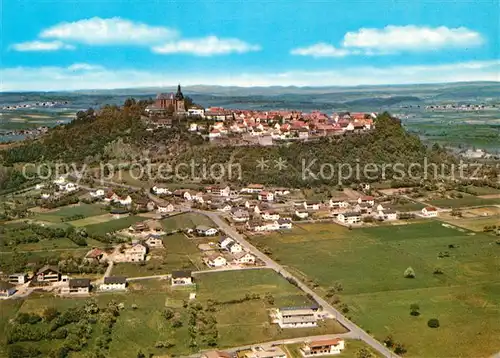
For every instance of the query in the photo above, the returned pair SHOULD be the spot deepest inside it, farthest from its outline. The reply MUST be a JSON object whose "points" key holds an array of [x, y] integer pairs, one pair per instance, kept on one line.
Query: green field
{"points": [[463, 202], [113, 225], [369, 263], [351, 348], [237, 323], [179, 253], [86, 210], [188, 220], [482, 190]]}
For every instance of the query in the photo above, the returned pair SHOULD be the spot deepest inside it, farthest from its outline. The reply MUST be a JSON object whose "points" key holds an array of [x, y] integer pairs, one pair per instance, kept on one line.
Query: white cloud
{"points": [[85, 76], [41, 46], [321, 50], [207, 46], [412, 38], [98, 31]]}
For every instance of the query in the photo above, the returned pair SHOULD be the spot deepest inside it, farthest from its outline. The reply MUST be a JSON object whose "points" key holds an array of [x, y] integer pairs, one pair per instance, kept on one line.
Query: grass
{"points": [[179, 253], [187, 220], [238, 324], [475, 224], [87, 210], [482, 190], [8, 310], [112, 225], [369, 263], [351, 348], [463, 202]]}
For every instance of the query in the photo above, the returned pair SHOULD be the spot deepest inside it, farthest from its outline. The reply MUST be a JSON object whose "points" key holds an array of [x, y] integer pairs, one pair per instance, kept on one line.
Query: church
{"points": [[167, 104]]}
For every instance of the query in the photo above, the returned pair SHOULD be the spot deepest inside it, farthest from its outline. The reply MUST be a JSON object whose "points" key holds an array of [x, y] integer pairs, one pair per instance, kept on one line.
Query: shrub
{"points": [[433, 323], [409, 273], [414, 309]]}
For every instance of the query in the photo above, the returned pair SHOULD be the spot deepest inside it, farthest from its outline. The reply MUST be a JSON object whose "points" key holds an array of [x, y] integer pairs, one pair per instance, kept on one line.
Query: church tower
{"points": [[179, 101]]}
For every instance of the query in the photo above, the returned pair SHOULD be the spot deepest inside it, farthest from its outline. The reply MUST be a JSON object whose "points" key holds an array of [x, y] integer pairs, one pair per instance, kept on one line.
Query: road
{"points": [[282, 342], [355, 330]]}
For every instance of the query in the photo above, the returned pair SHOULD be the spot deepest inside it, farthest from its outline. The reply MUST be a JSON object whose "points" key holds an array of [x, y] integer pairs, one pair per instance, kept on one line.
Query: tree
{"points": [[269, 298], [388, 341], [141, 355], [409, 273], [433, 323], [168, 314], [414, 309], [399, 348], [364, 353]]}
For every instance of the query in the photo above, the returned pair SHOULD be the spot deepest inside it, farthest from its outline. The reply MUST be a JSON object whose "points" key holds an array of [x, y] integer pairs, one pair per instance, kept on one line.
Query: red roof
{"points": [[430, 208], [367, 198], [325, 342]]}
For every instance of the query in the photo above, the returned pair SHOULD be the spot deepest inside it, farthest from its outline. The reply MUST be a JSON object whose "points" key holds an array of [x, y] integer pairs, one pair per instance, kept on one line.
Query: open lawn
{"points": [[370, 262], [112, 225], [482, 190], [187, 220], [474, 224], [180, 253], [237, 323], [463, 202], [57, 216]]}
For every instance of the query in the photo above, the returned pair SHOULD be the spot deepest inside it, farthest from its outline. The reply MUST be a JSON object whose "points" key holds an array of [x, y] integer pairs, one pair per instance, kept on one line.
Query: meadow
{"points": [[238, 323], [467, 200], [60, 215], [112, 225], [187, 220], [369, 263]]}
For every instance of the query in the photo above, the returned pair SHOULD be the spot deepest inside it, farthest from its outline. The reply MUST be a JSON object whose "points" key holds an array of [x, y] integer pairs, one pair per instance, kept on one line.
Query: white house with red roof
{"points": [[429, 212]]}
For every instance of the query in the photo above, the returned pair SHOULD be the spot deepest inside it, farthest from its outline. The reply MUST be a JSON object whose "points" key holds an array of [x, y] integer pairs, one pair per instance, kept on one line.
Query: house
{"points": [[265, 196], [284, 223], [18, 278], [430, 212], [263, 226], [216, 354], [161, 191], [136, 253], [214, 133], [303, 133], [95, 256], [367, 200], [244, 258], [296, 317], [77, 286], [312, 205], [388, 215], [270, 352], [364, 208], [6, 289], [68, 187], [125, 201], [203, 230], [161, 209], [48, 274], [253, 188], [99, 193], [322, 347], [154, 242], [216, 260], [114, 283], [234, 247], [349, 218], [239, 215], [380, 208], [224, 242], [181, 278], [219, 190], [270, 215], [45, 195], [301, 214], [281, 191], [338, 203], [224, 207]]}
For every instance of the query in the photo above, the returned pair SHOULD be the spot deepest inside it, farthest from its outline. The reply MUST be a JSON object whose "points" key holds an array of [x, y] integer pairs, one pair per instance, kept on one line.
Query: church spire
{"points": [[179, 95]]}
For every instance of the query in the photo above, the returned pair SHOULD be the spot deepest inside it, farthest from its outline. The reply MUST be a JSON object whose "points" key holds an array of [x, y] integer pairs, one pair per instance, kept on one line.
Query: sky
{"points": [[89, 44]]}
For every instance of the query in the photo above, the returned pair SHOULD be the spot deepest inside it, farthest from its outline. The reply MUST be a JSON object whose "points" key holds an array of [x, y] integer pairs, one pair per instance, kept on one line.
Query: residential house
{"points": [[48, 274], [224, 242], [162, 209], [154, 241], [268, 352], [259, 226], [216, 354], [77, 286], [265, 196], [303, 133], [281, 191], [214, 133], [234, 247], [388, 215], [338, 203], [284, 223], [270, 215], [181, 278], [136, 253], [367, 200], [203, 230], [224, 207], [312, 205], [125, 200], [322, 347], [430, 212], [301, 214], [18, 278], [113, 283], [7, 289], [161, 191], [349, 218], [364, 208], [296, 317], [244, 258], [239, 215], [95, 256], [216, 260], [253, 188], [219, 190], [99, 193]]}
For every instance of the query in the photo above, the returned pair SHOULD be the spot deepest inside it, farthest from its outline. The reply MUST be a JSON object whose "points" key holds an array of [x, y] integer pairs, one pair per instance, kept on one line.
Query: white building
{"points": [[429, 212], [296, 317], [349, 218], [323, 347], [113, 283]]}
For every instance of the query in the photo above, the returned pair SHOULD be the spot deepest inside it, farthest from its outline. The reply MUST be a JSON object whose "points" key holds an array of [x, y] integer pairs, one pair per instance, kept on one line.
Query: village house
{"points": [[338, 203], [7, 289], [270, 352], [252, 188], [181, 278], [281, 191], [301, 214], [364, 208], [218, 190], [244, 258], [215, 260], [154, 241], [239, 215], [18, 278], [76, 286], [48, 274], [265, 196], [366, 200], [259, 226], [224, 207], [322, 347], [224, 242], [388, 215], [99, 193], [161, 191], [162, 209], [430, 212], [270, 215], [136, 253], [296, 317], [95, 256], [203, 230], [312, 205], [285, 223], [234, 247], [216, 354], [349, 218], [113, 283]]}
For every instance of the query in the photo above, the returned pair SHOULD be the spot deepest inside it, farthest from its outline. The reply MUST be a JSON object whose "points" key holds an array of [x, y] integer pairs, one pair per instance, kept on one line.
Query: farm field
{"points": [[187, 220], [57, 216], [474, 224], [482, 190], [463, 202], [103, 228], [240, 323], [370, 262], [180, 253]]}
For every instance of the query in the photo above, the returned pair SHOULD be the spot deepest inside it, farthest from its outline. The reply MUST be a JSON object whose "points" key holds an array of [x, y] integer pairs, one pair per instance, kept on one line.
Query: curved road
{"points": [[355, 330]]}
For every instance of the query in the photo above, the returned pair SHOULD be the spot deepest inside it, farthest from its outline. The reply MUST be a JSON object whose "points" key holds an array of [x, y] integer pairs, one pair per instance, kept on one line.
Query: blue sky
{"points": [[69, 44]]}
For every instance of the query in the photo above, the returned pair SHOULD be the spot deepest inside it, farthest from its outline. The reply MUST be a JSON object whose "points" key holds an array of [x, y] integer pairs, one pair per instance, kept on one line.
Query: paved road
{"points": [[356, 331], [281, 342]]}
